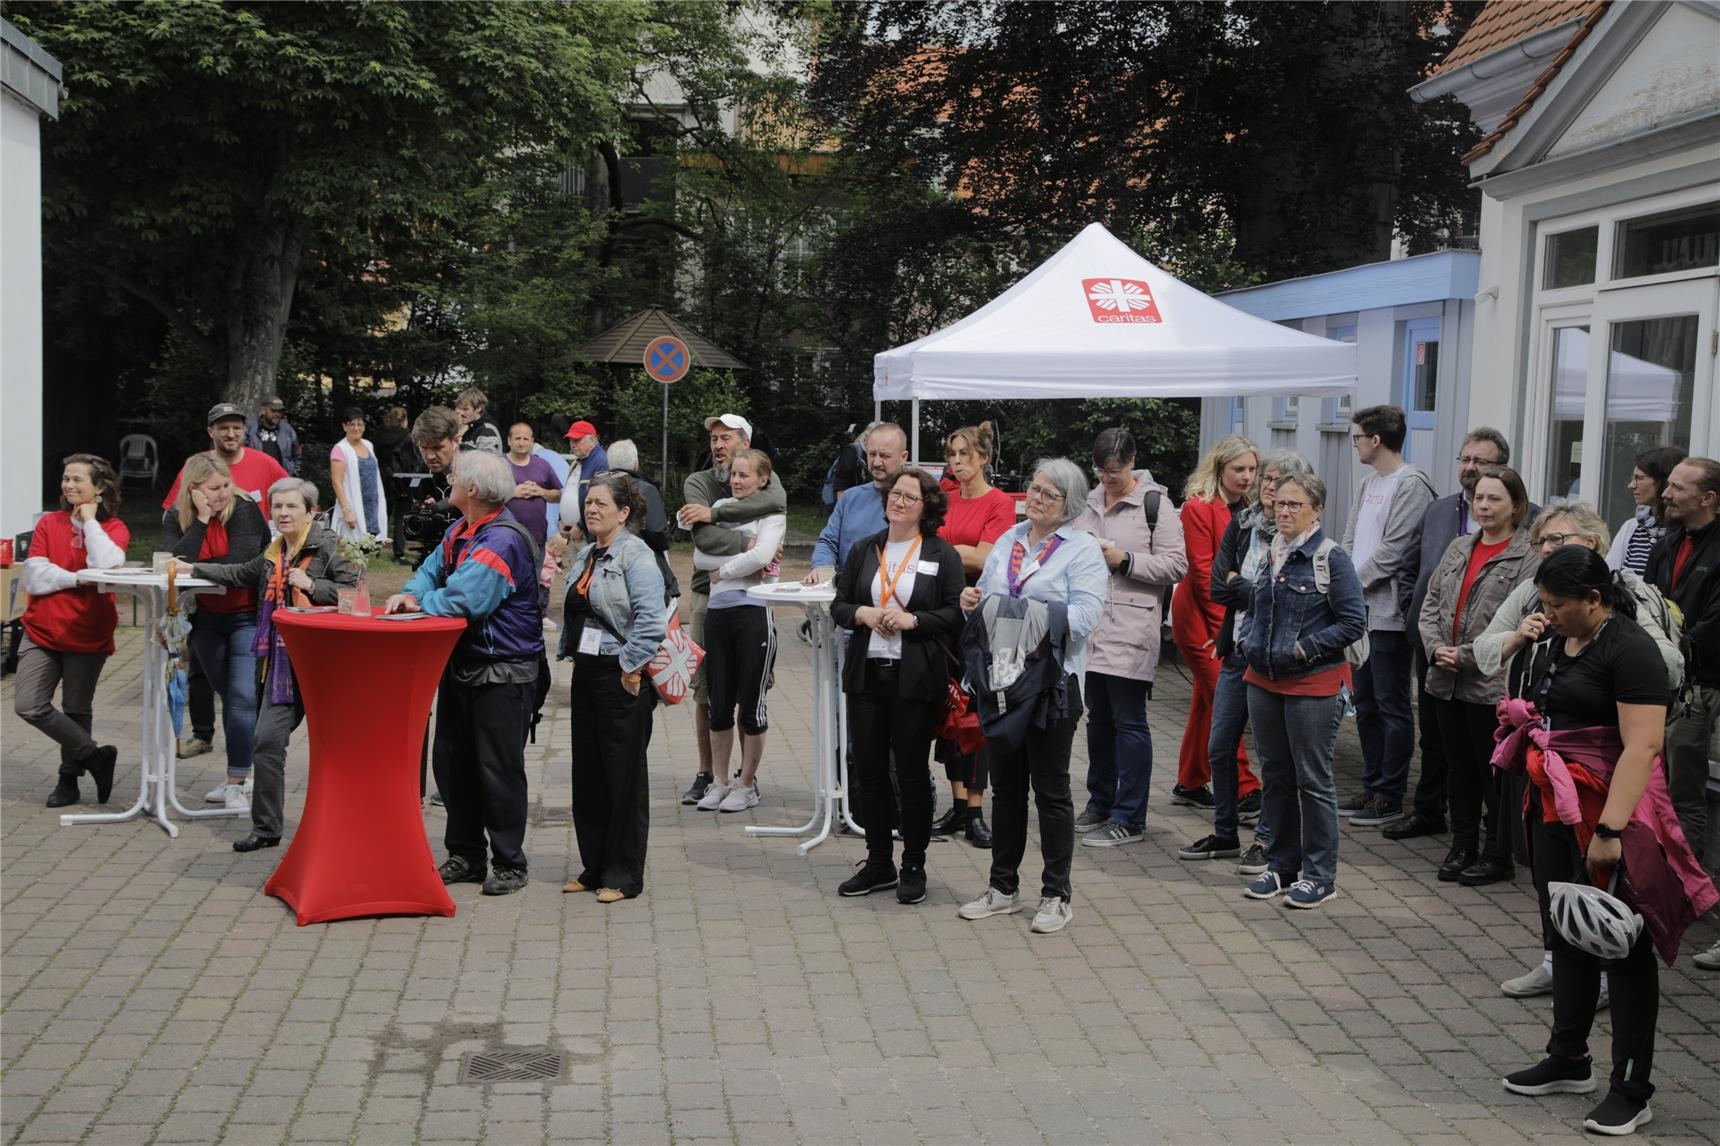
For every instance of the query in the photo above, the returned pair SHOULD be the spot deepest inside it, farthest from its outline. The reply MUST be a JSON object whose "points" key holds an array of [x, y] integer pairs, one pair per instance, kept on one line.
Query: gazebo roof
{"points": [[626, 341]]}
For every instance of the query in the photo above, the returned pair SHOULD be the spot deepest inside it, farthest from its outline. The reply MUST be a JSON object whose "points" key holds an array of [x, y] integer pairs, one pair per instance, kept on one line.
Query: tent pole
{"points": [[914, 443]]}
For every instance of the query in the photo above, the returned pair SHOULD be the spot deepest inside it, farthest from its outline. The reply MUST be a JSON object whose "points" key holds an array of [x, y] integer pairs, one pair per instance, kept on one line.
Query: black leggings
{"points": [[740, 650], [1634, 981], [886, 725]]}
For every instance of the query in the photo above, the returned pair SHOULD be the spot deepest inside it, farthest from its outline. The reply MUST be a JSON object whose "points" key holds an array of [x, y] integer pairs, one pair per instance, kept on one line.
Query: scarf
{"points": [[269, 646]]}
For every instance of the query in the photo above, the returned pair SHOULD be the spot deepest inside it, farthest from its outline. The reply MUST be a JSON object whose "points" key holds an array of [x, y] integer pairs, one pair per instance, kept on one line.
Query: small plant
{"points": [[361, 551]]}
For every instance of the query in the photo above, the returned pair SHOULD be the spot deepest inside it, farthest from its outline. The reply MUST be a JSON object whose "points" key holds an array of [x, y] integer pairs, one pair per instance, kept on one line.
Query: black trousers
{"points": [[1633, 981], [1479, 794], [885, 724], [480, 763], [1042, 760], [1430, 785], [611, 815]]}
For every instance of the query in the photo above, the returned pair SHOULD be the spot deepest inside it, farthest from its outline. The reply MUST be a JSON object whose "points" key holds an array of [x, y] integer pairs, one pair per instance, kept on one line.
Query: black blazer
{"points": [[934, 601]]}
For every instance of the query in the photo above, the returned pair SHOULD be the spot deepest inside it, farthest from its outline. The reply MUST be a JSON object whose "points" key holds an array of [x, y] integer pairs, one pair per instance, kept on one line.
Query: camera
{"points": [[427, 514]]}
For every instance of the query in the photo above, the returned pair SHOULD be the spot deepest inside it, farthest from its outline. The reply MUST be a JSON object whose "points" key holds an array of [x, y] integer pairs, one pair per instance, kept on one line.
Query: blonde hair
{"points": [[1204, 484], [199, 468], [760, 461], [1585, 522]]}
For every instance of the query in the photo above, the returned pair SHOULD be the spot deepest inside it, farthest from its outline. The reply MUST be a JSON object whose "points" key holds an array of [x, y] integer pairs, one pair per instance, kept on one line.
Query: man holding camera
{"points": [[436, 435], [485, 571]]}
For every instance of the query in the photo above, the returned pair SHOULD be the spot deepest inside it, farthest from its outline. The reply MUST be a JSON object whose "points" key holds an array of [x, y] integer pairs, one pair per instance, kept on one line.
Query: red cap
{"points": [[580, 430]]}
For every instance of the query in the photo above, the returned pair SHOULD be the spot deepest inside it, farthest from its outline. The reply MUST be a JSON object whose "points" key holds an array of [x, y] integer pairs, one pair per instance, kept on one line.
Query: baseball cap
{"points": [[224, 410], [733, 422], [274, 403], [580, 430]]}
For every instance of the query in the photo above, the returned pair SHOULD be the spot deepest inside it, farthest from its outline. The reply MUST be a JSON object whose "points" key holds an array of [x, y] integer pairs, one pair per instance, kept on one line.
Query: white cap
{"points": [[733, 422]]}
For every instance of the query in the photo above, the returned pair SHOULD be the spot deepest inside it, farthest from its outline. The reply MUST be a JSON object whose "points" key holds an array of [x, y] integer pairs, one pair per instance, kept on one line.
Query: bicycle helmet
{"points": [[1591, 920]]}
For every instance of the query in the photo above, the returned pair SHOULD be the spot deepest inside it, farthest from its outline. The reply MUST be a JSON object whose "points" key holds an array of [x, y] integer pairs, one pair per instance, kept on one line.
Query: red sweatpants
{"points": [[1194, 770]]}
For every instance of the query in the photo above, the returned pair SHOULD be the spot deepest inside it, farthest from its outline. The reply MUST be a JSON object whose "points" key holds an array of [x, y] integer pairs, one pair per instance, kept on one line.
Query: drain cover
{"points": [[556, 816], [480, 1067]]}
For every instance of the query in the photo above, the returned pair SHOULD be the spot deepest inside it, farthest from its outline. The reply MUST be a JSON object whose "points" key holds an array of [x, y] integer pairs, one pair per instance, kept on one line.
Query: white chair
{"points": [[138, 458]]}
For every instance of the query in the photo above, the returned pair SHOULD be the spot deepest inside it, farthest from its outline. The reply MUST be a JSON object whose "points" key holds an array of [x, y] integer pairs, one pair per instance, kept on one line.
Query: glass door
{"points": [[1652, 361]]}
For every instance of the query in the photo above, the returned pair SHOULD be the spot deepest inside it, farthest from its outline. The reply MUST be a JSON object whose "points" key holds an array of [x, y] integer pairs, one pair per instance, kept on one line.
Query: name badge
{"points": [[929, 568], [590, 640]]}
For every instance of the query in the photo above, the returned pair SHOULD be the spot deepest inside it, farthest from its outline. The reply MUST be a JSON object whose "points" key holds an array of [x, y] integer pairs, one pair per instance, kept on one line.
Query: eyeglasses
{"points": [[1292, 506], [1362, 437], [1472, 460], [1043, 494], [1551, 539], [901, 498], [1120, 471]]}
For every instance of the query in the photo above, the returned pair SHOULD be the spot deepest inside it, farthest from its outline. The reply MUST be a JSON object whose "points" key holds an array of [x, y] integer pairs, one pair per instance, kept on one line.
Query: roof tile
{"points": [[1504, 22]]}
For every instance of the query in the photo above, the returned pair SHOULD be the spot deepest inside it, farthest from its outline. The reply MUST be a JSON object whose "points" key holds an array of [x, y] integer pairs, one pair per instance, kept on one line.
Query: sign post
{"points": [[667, 359]]}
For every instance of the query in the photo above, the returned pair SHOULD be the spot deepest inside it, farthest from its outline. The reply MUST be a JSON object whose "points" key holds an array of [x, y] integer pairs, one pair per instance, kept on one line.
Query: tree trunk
{"points": [[262, 283]]}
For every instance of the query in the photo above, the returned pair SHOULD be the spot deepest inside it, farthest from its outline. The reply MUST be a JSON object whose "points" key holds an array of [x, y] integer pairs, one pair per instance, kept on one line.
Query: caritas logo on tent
{"points": [[1120, 300]]}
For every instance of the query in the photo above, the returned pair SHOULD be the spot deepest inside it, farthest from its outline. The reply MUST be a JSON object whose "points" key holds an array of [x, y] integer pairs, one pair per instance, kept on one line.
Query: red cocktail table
{"points": [[367, 684]]}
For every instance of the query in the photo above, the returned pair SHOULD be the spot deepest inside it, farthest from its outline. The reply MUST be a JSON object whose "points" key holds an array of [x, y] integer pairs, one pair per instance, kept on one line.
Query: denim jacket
{"points": [[1286, 610], [627, 592]]}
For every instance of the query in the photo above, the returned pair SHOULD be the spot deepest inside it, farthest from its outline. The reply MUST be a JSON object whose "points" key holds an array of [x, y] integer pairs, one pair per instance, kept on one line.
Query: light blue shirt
{"points": [[552, 509], [1075, 575], [859, 513]]}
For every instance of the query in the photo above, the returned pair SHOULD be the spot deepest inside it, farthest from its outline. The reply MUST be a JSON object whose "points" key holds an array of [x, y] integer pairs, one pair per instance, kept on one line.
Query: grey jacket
{"points": [[703, 488], [1388, 576], [328, 567], [1493, 584]]}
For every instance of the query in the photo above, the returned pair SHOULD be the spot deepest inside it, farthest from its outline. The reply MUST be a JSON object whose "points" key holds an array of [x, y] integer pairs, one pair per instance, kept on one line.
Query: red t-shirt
{"points": [[1327, 682], [1478, 556], [233, 600], [1682, 558], [80, 620], [253, 474], [978, 520]]}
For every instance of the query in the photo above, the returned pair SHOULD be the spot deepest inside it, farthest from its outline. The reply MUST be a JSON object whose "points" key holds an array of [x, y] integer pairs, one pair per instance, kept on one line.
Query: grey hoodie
{"points": [[1388, 576]]}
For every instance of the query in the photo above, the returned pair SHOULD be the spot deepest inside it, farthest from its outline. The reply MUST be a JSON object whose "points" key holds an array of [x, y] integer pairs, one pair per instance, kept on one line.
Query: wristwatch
{"points": [[1607, 833]]}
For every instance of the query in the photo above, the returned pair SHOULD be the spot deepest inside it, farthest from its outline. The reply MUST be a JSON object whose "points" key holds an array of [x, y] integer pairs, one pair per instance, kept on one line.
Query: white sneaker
{"points": [[1708, 960], [1538, 980], [218, 794], [740, 798], [1053, 915], [236, 800], [993, 902], [714, 796]]}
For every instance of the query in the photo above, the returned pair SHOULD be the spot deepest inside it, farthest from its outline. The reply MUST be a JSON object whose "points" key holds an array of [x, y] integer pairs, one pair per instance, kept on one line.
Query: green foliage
{"points": [[638, 404]]}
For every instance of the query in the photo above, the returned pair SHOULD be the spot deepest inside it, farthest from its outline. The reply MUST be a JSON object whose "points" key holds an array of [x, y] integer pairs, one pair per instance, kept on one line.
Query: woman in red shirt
{"points": [[1470, 584], [68, 626], [1222, 484], [978, 515], [212, 522]]}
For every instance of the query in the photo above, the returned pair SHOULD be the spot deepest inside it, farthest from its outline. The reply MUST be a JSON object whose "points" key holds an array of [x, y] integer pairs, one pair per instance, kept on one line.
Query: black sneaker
{"points": [[459, 869], [505, 881], [1090, 821], [1377, 812], [1354, 804], [1554, 1074], [100, 766], [872, 877], [912, 888], [1618, 1115], [1248, 808], [701, 784], [1200, 797], [1210, 847]]}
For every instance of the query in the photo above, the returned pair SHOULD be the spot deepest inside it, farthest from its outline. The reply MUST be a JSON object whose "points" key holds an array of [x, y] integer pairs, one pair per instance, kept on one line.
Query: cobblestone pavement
{"points": [[152, 993]]}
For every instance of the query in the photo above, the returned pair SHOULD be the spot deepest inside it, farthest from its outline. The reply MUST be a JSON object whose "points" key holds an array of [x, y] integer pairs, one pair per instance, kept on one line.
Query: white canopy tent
{"points": [[1096, 320]]}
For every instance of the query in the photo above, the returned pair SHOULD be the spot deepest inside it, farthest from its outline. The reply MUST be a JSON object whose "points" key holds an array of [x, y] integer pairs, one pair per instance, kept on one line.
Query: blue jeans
{"points": [[1296, 736], [222, 643], [1229, 718], [1384, 722], [1119, 748]]}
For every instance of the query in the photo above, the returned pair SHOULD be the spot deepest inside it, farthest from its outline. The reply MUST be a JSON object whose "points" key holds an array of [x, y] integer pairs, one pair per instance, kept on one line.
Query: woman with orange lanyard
{"points": [[1221, 485], [978, 515], [301, 566], [899, 593], [69, 626], [212, 523]]}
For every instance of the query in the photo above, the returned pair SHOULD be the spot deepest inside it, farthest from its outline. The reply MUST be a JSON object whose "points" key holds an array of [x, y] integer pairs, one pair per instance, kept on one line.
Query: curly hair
{"points": [[626, 494], [103, 477]]}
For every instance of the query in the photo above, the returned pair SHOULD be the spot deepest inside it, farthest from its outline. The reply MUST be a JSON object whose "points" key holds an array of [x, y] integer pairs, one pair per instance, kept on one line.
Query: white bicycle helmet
{"points": [[1591, 920]]}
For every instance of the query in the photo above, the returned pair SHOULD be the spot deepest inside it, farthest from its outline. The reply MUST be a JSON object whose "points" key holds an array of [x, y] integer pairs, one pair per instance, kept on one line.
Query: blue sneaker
{"points": [[1268, 886], [1310, 893]]}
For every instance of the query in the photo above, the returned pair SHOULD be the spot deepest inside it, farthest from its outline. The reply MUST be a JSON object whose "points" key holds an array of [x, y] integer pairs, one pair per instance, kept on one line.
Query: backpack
{"points": [[540, 686], [1151, 504], [1038, 695], [1356, 654]]}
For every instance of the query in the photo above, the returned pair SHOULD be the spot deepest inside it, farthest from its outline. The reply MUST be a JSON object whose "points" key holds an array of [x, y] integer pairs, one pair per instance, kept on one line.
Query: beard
{"points": [[722, 472]]}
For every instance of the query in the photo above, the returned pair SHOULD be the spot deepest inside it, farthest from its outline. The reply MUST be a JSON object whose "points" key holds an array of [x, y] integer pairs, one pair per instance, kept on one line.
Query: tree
{"points": [[209, 153]]}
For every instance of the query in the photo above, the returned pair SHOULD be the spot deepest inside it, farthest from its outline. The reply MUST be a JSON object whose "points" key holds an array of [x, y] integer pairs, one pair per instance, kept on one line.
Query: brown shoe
{"points": [[610, 895]]}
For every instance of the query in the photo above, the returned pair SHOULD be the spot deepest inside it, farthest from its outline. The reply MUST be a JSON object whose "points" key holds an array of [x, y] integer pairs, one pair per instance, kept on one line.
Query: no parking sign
{"points": [[667, 359]]}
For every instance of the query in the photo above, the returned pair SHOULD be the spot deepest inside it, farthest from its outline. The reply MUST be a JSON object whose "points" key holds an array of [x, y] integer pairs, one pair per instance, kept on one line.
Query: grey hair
{"points": [[623, 455], [491, 477], [305, 489], [1070, 482], [1585, 522], [1311, 485], [1489, 434], [1288, 463]]}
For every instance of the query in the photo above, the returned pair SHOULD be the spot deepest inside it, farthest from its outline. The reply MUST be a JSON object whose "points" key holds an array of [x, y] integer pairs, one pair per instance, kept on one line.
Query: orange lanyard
{"points": [[888, 583], [583, 585]]}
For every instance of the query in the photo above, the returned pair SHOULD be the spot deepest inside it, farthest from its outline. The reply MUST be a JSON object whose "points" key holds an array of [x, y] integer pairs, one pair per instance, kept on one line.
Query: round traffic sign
{"points": [[667, 359]]}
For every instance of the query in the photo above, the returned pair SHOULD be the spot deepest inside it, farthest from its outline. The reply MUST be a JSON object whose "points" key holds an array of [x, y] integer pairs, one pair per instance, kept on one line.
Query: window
{"points": [[1237, 418], [1671, 241], [1419, 373], [1571, 258], [1570, 382], [1651, 378], [1337, 410]]}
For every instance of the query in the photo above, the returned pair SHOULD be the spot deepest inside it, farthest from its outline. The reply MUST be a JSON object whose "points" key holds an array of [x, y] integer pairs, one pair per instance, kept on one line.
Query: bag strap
{"points": [[525, 535], [1323, 565]]}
